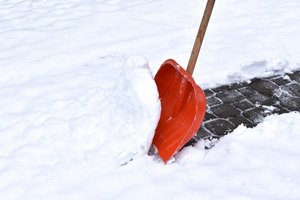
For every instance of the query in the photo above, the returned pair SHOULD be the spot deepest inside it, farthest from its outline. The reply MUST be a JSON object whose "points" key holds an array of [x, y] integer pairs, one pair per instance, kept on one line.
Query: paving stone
{"points": [[295, 76], [232, 86], [236, 86], [209, 116], [247, 91], [255, 115], [261, 99], [243, 105], [230, 96], [281, 81], [212, 101], [291, 103], [238, 120], [296, 88], [208, 93], [225, 110], [292, 89], [281, 93], [264, 86], [219, 89], [203, 133], [279, 109], [219, 127]]}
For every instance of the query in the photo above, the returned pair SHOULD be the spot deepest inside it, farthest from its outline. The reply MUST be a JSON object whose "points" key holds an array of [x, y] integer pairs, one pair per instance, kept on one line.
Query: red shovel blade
{"points": [[183, 108]]}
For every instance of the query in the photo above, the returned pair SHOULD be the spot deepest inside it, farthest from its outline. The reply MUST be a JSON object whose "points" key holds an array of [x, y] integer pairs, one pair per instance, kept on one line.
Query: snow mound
{"points": [[109, 108]]}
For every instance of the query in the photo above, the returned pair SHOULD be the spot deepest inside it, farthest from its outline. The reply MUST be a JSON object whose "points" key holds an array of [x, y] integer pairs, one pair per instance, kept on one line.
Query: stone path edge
{"points": [[248, 103]]}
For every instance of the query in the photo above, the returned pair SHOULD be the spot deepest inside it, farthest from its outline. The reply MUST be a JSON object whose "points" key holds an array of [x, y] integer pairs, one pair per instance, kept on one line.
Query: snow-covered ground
{"points": [[78, 105]]}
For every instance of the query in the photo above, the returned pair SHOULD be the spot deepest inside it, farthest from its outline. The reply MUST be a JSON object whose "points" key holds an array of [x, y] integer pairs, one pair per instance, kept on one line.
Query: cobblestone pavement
{"points": [[248, 103]]}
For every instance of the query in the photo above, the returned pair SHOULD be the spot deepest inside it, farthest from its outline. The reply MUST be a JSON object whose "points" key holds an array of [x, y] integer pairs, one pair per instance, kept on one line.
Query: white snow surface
{"points": [[79, 106]]}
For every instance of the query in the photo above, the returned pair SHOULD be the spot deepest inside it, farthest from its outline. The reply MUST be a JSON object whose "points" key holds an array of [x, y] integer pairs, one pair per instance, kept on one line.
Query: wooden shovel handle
{"points": [[200, 36]]}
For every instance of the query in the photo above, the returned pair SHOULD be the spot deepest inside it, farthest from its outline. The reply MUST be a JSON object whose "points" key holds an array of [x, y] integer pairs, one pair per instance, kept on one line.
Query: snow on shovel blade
{"points": [[183, 108]]}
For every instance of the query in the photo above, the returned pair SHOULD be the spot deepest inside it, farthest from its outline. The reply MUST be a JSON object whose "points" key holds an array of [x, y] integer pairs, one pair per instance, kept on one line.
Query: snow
{"points": [[78, 104]]}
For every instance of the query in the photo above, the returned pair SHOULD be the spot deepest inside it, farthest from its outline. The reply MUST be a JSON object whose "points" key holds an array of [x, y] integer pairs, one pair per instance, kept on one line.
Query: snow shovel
{"points": [[182, 100]]}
